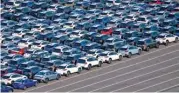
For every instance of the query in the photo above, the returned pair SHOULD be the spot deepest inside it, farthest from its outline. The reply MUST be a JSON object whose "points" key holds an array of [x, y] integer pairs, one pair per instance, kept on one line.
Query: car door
{"points": [[71, 68], [49, 75], [113, 55]]}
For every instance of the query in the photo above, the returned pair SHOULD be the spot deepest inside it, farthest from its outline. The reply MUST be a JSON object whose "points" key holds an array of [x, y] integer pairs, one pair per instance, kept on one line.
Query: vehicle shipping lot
{"points": [[89, 46], [152, 71]]}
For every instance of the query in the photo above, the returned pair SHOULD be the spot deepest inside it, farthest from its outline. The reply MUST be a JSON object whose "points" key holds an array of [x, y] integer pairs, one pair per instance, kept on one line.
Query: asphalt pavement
{"points": [[156, 70]]}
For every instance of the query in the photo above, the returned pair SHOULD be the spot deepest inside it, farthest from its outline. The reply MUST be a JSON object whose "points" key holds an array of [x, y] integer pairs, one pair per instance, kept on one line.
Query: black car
{"points": [[147, 43]]}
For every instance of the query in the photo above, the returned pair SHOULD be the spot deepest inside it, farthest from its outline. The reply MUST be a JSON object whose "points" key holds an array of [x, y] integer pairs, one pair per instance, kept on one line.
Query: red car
{"points": [[20, 51], [107, 31], [156, 2]]}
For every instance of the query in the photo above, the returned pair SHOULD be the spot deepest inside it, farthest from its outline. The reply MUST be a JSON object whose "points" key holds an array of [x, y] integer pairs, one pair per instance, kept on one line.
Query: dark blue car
{"points": [[24, 83], [5, 88]]}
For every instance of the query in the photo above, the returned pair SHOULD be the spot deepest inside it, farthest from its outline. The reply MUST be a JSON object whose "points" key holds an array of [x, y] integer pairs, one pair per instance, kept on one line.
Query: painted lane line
{"points": [[103, 67], [133, 78], [123, 74], [112, 71], [157, 84], [143, 81], [163, 90]]}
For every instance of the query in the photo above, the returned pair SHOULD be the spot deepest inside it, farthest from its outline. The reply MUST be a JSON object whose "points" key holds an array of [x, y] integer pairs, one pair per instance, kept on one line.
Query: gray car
{"points": [[46, 75]]}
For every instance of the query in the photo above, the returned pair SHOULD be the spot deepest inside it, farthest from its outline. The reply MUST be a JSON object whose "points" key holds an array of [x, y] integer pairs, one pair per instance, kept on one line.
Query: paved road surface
{"points": [[151, 71]]}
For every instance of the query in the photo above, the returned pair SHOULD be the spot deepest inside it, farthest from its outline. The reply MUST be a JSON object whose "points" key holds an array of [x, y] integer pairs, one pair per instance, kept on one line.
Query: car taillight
{"points": [[86, 63]]}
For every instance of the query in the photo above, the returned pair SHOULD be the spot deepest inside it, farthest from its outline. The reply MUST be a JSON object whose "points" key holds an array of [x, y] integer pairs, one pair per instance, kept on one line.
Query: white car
{"points": [[39, 44], [20, 32], [109, 56], [69, 24], [88, 62], [94, 52], [25, 42], [58, 50], [166, 38], [29, 52], [11, 77], [67, 69], [77, 33]]}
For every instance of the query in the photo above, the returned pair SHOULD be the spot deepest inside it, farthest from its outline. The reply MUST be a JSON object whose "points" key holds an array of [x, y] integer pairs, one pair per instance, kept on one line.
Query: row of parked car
{"points": [[42, 40]]}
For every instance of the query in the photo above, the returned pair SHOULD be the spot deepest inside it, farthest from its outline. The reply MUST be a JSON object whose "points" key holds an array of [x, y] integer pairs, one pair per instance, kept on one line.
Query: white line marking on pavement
{"points": [[157, 84], [112, 71], [133, 78], [163, 90], [142, 82], [103, 67], [122, 74]]}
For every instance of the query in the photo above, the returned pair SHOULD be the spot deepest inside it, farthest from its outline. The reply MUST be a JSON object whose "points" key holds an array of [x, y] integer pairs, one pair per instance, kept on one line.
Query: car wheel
{"points": [[166, 43], [68, 73], [29, 46], [89, 67], [46, 80], [157, 45], [36, 83], [129, 55], [79, 70], [176, 40], [147, 49], [58, 77], [24, 88], [99, 64], [110, 61], [120, 58], [11, 90], [139, 52]]}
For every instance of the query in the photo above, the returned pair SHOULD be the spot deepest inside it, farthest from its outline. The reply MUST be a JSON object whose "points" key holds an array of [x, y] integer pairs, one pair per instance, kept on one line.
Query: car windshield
{"points": [[57, 50], [81, 61], [12, 62], [61, 67], [147, 34], [141, 19], [161, 36], [111, 46], [46, 59], [69, 24], [66, 53], [98, 20], [36, 43], [26, 70], [140, 42], [91, 52], [69, 58], [6, 77], [123, 49], [128, 34], [109, 41], [103, 54], [23, 65], [77, 44], [29, 52], [49, 64], [41, 73], [23, 41]]}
